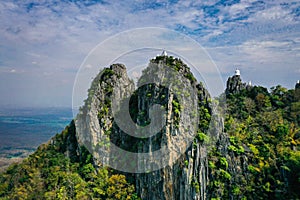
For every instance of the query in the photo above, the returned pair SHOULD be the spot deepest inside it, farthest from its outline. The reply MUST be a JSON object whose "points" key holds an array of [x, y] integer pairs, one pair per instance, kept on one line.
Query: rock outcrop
{"points": [[94, 121], [234, 85], [186, 175]]}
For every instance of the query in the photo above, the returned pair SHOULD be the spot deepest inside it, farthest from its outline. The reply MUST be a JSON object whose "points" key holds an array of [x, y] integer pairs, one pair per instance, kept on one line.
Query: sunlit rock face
{"points": [[184, 175]]}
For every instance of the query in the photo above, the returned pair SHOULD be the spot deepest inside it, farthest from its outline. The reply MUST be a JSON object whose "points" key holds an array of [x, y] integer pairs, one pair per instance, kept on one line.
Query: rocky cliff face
{"points": [[175, 181], [190, 174], [234, 85], [94, 121]]}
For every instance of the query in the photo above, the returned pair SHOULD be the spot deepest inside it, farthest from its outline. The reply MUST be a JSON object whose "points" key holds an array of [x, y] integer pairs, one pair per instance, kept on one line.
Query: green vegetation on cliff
{"points": [[263, 129], [62, 170]]}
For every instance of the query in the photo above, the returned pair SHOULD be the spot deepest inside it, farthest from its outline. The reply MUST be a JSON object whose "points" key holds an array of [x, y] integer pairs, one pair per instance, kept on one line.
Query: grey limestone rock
{"points": [[186, 177]]}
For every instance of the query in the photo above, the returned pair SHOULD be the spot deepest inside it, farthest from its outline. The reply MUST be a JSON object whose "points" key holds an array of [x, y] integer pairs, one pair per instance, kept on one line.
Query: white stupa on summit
{"points": [[250, 83], [298, 81], [237, 72], [164, 53]]}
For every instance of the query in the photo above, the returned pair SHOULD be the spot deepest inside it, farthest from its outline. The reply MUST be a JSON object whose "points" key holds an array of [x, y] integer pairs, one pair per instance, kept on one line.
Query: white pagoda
{"points": [[237, 72], [164, 53]]}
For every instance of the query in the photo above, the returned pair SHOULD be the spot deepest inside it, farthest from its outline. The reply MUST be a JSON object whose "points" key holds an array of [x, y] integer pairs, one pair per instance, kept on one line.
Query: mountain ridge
{"points": [[241, 165]]}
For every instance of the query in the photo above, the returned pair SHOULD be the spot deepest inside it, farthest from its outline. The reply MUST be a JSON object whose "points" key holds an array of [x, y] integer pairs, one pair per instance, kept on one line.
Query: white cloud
{"points": [[276, 13], [266, 50], [53, 38], [237, 9]]}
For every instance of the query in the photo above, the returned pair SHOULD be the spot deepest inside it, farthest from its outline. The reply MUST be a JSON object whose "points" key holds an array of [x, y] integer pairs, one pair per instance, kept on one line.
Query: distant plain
{"points": [[22, 130]]}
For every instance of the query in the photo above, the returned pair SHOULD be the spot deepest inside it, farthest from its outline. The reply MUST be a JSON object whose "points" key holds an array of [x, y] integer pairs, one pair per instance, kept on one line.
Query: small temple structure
{"points": [[164, 53], [237, 72]]}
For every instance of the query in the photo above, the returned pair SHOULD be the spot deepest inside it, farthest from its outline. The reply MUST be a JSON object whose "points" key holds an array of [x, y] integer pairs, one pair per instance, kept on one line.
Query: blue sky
{"points": [[43, 42]]}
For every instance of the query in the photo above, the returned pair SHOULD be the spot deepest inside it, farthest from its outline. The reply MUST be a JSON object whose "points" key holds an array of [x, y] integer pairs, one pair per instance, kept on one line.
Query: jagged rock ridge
{"points": [[189, 176]]}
